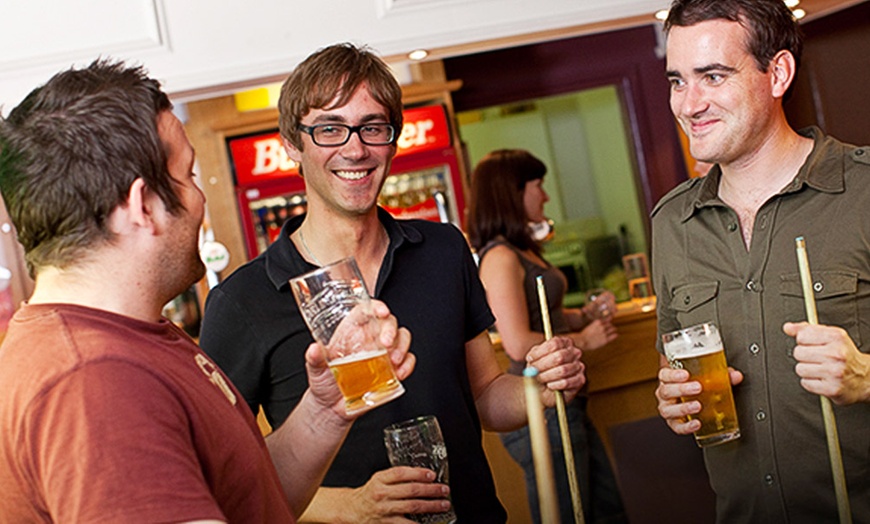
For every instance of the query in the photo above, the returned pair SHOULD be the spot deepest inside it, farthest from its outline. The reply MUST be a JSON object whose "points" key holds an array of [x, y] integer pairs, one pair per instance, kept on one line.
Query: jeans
{"points": [[599, 493]]}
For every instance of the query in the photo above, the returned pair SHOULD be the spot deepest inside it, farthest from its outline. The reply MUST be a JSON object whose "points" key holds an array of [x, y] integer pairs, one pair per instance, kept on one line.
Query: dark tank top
{"points": [[556, 286]]}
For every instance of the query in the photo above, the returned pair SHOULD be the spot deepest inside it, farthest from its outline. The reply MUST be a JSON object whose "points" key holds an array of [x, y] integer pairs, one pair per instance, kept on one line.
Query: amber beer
{"points": [[337, 310], [365, 379], [699, 351]]}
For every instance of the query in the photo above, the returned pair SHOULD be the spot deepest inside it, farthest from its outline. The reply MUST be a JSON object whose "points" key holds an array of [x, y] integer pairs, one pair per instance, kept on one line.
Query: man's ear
{"points": [[137, 212], [294, 154], [140, 204], [783, 70]]}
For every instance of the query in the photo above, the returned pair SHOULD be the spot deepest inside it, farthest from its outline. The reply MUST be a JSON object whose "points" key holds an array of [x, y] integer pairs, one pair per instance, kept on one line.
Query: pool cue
{"points": [[548, 501], [834, 454], [567, 447]]}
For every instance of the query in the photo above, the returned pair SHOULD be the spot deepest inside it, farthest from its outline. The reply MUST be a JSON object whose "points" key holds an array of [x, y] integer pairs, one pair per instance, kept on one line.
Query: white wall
{"points": [[195, 45]]}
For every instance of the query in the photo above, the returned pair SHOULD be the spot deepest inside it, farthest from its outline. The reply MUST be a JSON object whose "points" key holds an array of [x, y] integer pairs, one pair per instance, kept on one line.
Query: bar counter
{"points": [[621, 376], [621, 381]]}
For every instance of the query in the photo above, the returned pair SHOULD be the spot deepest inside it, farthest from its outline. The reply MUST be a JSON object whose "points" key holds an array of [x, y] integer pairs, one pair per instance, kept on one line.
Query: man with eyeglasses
{"points": [[340, 115], [334, 135]]}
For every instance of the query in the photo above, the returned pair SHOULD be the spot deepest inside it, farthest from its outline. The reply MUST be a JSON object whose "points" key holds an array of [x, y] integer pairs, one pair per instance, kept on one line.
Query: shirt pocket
{"points": [[836, 294], [696, 303]]}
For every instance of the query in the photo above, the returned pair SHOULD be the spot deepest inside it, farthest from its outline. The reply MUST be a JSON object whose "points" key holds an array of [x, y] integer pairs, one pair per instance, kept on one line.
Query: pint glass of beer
{"points": [[418, 443], [699, 350], [337, 309]]}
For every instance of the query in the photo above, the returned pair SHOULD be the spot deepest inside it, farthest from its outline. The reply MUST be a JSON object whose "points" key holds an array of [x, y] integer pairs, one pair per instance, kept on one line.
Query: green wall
{"points": [[582, 139]]}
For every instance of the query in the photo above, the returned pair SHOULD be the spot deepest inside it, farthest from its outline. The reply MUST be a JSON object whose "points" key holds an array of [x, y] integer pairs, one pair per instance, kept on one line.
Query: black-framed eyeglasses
{"points": [[334, 135]]}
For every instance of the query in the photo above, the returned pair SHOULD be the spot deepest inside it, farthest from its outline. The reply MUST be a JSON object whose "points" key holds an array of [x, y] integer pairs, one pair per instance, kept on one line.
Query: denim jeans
{"points": [[599, 493]]}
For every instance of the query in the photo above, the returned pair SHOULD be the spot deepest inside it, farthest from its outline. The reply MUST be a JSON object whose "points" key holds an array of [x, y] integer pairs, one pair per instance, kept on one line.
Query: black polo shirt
{"points": [[253, 330]]}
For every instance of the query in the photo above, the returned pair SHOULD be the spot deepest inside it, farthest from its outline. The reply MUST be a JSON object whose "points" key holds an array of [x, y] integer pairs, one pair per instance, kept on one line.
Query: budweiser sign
{"points": [[261, 156]]}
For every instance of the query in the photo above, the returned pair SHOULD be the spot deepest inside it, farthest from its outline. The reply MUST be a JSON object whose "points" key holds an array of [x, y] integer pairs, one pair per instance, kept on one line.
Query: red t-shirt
{"points": [[107, 418]]}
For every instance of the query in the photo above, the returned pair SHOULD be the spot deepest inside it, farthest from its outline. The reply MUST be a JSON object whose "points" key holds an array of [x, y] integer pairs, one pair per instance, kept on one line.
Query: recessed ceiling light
{"points": [[792, 3], [799, 13], [662, 15], [418, 54]]}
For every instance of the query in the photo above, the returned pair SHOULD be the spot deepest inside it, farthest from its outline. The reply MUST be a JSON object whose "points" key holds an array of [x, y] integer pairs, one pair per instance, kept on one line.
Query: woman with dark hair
{"points": [[506, 196]]}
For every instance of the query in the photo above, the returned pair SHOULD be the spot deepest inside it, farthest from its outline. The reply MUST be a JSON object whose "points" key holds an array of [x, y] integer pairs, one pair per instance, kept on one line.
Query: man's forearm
{"points": [[303, 447], [502, 406]]}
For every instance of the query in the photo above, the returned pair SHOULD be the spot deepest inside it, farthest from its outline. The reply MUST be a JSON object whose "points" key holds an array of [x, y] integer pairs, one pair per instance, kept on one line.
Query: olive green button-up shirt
{"points": [[778, 471]]}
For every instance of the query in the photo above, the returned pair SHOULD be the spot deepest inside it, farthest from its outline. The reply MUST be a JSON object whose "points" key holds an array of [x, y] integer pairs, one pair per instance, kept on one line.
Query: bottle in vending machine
{"points": [[418, 194], [269, 215]]}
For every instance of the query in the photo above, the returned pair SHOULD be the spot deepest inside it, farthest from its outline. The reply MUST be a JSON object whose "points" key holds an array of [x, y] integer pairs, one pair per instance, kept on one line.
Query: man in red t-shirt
{"points": [[110, 412]]}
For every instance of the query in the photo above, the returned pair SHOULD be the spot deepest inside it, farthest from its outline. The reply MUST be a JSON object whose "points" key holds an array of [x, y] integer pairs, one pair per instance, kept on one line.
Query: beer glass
{"points": [[699, 350], [603, 303], [337, 309], [635, 266], [418, 443], [637, 275], [640, 290]]}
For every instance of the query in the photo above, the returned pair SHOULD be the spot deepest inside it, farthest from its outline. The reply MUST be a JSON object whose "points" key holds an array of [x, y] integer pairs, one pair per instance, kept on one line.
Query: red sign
{"points": [[260, 157], [424, 129]]}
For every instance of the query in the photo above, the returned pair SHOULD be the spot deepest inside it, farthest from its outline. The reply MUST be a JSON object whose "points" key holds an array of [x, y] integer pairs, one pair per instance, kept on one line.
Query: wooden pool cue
{"points": [[567, 447], [834, 454], [548, 501]]}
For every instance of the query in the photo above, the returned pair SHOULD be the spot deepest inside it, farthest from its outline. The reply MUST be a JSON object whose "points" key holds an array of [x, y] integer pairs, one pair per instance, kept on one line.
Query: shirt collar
{"points": [[283, 261], [823, 171]]}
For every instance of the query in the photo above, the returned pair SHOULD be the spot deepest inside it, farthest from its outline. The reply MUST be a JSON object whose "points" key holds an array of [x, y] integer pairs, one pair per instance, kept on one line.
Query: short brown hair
{"points": [[770, 25], [71, 149], [333, 74]]}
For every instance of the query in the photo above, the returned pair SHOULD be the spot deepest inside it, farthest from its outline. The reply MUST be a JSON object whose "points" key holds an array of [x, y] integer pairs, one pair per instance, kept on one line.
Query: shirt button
{"points": [[687, 300], [763, 221], [754, 349], [818, 287], [768, 479], [752, 286], [732, 227], [761, 416]]}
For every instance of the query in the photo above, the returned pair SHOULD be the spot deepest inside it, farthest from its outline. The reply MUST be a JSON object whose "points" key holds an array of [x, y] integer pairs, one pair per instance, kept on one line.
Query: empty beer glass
{"points": [[418, 443]]}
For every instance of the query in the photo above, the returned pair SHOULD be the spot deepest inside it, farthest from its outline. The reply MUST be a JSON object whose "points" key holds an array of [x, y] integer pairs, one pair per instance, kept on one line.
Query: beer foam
{"points": [[356, 357], [682, 348], [694, 341]]}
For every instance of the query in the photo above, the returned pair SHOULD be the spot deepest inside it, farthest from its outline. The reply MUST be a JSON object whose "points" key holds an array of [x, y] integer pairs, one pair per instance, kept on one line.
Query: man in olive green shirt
{"points": [[724, 251]]}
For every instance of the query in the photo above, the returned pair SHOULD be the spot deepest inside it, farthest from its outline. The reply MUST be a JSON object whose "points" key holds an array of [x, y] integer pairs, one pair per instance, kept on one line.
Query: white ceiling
{"points": [[205, 47]]}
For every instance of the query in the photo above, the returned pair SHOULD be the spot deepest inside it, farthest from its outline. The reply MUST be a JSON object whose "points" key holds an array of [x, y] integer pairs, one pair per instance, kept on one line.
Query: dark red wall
{"points": [[834, 79], [626, 58], [831, 89]]}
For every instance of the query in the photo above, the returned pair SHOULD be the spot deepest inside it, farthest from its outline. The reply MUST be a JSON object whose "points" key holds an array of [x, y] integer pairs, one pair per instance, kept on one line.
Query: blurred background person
{"points": [[506, 197]]}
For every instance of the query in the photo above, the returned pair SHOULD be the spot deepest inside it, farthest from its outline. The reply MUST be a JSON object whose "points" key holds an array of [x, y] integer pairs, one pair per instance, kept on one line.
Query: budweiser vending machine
{"points": [[424, 181]]}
